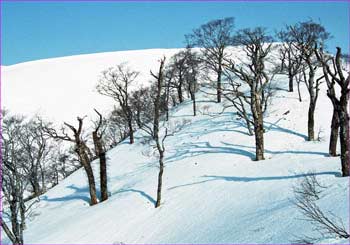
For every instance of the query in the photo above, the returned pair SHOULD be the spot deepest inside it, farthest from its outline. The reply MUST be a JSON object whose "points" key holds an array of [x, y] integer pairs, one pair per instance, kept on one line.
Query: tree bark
{"points": [[219, 83], [291, 78], [131, 133], [311, 122], [103, 165], [334, 134], [259, 140], [85, 161], [344, 141], [160, 177]]}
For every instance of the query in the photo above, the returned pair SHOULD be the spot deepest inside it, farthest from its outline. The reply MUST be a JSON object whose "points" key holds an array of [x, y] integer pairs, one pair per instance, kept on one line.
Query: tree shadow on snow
{"points": [[279, 152], [211, 178], [200, 148], [142, 193], [77, 195]]}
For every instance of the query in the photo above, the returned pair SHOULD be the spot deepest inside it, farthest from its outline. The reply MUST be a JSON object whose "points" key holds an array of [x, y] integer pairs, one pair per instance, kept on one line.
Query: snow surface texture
{"points": [[213, 192]]}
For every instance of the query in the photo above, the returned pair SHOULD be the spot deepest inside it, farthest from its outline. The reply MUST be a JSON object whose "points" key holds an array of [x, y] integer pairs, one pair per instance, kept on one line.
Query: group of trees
{"points": [[32, 158]]}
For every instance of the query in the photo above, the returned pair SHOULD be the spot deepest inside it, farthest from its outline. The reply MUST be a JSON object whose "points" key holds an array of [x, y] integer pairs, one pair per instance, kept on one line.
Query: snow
{"points": [[213, 192]]}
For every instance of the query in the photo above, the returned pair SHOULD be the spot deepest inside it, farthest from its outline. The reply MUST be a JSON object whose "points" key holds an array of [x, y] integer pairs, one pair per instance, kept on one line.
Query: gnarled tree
{"points": [[334, 75], [81, 150]]}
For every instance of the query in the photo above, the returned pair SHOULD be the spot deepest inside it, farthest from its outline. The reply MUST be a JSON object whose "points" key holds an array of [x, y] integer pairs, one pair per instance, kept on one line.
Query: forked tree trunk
{"points": [[334, 134]]}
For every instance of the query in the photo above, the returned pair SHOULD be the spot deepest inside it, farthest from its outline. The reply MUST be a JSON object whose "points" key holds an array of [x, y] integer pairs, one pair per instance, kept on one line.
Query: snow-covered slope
{"points": [[213, 192], [64, 88]]}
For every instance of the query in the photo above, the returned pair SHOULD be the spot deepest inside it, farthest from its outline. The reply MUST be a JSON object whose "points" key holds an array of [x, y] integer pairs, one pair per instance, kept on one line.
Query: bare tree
{"points": [[290, 57], [81, 150], [100, 151], [192, 73], [213, 38], [334, 75], [176, 73], [15, 177], [115, 83], [143, 107], [257, 45], [307, 193], [238, 99], [305, 35], [156, 127], [36, 146]]}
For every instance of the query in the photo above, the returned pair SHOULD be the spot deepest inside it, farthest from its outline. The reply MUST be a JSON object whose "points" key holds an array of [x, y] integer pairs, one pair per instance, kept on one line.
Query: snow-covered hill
{"points": [[213, 192], [63, 88]]}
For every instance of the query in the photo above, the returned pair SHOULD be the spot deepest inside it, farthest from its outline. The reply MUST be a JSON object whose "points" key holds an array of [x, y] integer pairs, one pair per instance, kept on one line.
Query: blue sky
{"points": [[37, 30]]}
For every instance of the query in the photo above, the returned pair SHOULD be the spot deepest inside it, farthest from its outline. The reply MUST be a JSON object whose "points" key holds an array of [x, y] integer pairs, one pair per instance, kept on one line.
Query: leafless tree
{"points": [[305, 35], [238, 99], [257, 45], [175, 74], [100, 151], [116, 128], [290, 57], [15, 178], [37, 148], [115, 83], [81, 150], [193, 66], [143, 107], [213, 38], [159, 76], [307, 193], [334, 75]]}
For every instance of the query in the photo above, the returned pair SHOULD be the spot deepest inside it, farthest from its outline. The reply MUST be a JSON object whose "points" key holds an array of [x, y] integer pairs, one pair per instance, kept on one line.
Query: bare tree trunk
{"points": [[334, 134], [311, 121], [291, 78], [258, 125], [131, 133], [259, 140], [219, 83], [103, 165], [85, 161], [193, 98], [179, 90], [344, 141], [160, 176], [299, 93]]}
